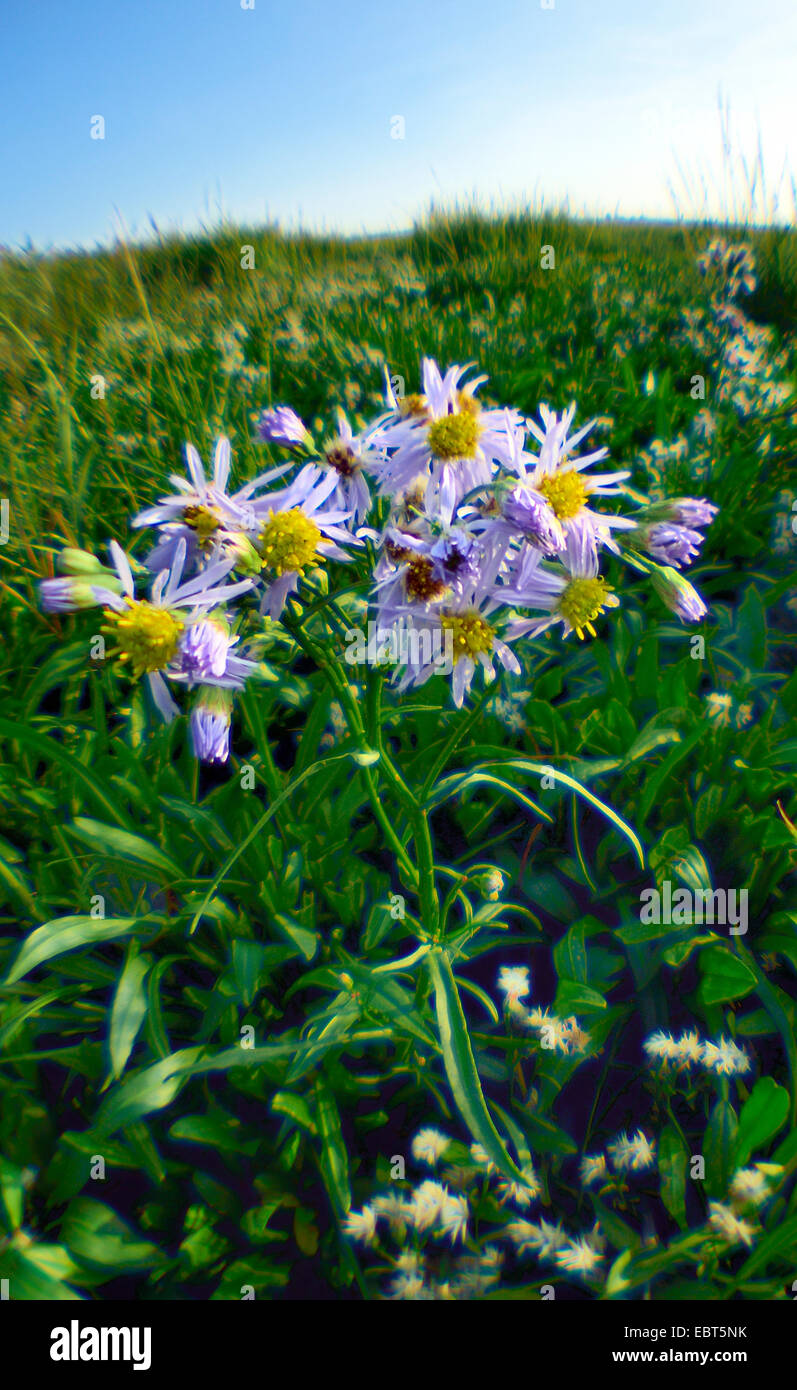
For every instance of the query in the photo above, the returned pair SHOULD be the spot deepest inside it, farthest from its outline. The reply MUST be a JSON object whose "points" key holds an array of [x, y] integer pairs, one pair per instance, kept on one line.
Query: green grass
{"points": [[208, 1157]]}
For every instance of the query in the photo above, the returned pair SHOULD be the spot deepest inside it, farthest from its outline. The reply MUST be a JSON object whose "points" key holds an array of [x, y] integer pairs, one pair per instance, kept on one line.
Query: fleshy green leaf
{"points": [[764, 1112], [725, 976]]}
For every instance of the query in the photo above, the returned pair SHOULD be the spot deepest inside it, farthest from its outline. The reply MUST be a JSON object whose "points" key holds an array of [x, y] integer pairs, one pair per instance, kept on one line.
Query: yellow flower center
{"points": [[468, 403], [582, 600], [147, 636], [203, 521], [470, 634], [455, 436], [412, 405], [566, 493], [289, 542], [420, 581]]}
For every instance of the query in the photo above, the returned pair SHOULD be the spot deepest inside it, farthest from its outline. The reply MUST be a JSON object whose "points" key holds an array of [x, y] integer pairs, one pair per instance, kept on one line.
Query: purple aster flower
{"points": [[516, 508], [682, 511], [557, 476], [443, 435], [66, 595], [569, 590], [201, 512], [203, 650], [80, 572], [425, 558], [670, 544], [149, 631], [281, 425], [293, 531], [351, 456], [458, 635], [532, 517], [692, 511], [456, 556], [204, 656]]}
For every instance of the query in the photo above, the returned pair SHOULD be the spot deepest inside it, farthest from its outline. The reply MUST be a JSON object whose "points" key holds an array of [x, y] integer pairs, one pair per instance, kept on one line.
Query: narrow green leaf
{"points": [[49, 747], [122, 844], [573, 998], [67, 934], [719, 1143], [30, 1274], [779, 1244], [304, 940], [459, 780], [460, 1066], [257, 828], [295, 1108], [673, 1160], [94, 1235], [128, 1012], [12, 1193], [219, 1132], [156, 1086], [570, 955], [248, 958], [334, 1157]]}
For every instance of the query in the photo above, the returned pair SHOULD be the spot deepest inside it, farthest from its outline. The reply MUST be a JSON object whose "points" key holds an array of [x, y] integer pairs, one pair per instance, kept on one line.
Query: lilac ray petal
{"points": [[161, 697], [221, 463], [122, 566], [158, 586], [176, 571], [194, 466]]}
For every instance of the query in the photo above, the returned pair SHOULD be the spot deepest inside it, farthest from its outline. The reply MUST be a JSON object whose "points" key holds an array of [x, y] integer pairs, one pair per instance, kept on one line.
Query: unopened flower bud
{"points": [[680, 596], [281, 425], [490, 884]]}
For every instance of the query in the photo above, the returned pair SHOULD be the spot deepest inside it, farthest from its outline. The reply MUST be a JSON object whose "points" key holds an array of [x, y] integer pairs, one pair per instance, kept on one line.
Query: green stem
{"points": [[461, 728], [430, 903], [335, 676], [424, 876]]}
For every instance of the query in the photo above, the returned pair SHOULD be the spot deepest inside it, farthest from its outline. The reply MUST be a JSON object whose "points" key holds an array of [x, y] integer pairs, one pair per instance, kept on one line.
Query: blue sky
{"points": [[284, 111]]}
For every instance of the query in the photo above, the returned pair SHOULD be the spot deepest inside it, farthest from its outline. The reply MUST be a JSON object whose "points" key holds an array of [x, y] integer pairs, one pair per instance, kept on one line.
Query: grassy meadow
{"points": [[144, 1153]]}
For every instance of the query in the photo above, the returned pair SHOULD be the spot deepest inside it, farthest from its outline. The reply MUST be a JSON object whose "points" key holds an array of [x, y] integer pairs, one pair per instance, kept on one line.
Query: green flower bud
{"points": [[490, 883], [680, 596], [73, 561]]}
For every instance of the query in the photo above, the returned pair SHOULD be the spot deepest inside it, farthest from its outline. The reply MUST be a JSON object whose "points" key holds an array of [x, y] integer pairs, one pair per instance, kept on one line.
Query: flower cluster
{"points": [[753, 374], [562, 1035], [750, 1190], [428, 1223], [575, 1255], [723, 1058], [179, 634], [437, 1256], [628, 1154], [427, 1233], [733, 266], [468, 526]]}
